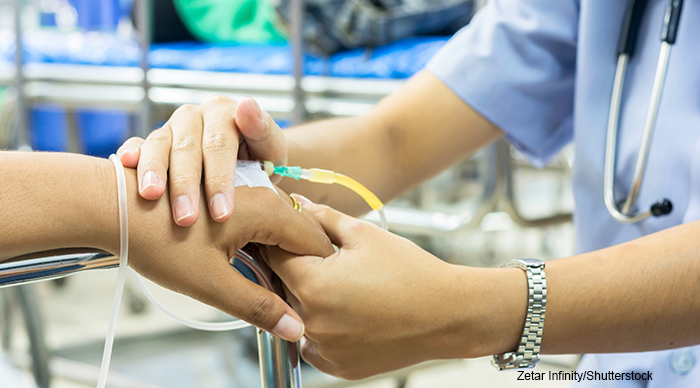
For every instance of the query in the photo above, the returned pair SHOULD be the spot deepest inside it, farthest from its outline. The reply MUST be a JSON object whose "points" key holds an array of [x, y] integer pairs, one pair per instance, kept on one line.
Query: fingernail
{"points": [[220, 206], [183, 208], [150, 178], [120, 153], [260, 112], [289, 328], [302, 200]]}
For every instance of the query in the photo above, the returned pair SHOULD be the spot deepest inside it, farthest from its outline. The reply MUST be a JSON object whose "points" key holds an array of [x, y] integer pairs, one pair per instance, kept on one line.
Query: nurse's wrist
{"points": [[491, 304]]}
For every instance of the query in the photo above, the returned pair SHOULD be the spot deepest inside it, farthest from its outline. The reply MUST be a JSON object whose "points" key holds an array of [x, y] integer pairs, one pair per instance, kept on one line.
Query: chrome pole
{"points": [[279, 359], [144, 17], [297, 22], [32, 269], [279, 362], [21, 138]]}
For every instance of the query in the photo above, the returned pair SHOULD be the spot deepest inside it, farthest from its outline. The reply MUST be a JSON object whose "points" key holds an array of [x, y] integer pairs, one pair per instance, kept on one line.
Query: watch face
{"points": [[525, 263], [533, 263]]}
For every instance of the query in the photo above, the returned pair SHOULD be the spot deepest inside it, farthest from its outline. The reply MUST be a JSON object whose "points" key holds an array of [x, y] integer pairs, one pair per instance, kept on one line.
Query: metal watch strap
{"points": [[528, 353]]}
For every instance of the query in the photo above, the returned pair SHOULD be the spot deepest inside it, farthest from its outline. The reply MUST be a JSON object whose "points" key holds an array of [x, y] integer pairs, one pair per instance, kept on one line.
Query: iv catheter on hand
{"points": [[318, 175], [296, 172]]}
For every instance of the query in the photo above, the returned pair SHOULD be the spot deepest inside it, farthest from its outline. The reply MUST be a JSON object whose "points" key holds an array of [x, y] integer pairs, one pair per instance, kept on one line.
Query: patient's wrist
{"points": [[102, 208]]}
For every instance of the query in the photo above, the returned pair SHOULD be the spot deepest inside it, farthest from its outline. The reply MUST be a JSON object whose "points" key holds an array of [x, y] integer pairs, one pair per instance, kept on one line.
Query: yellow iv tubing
{"points": [[329, 177]]}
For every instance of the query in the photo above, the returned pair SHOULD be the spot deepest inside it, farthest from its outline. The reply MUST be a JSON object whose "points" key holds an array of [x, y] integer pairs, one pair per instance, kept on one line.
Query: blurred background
{"points": [[84, 75]]}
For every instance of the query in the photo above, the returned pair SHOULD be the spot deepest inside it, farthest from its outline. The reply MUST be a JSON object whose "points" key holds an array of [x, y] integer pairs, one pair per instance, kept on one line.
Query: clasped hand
{"points": [[375, 305]]}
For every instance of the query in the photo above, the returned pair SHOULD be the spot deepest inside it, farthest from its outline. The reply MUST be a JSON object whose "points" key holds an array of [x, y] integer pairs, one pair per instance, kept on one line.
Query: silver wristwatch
{"points": [[528, 353]]}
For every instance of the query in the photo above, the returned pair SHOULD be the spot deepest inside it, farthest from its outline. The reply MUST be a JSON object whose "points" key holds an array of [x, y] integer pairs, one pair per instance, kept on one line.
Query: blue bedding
{"points": [[398, 60]]}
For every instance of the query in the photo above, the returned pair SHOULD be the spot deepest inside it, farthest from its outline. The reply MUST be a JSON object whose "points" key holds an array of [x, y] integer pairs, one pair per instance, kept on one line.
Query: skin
{"points": [[402, 306], [382, 295], [64, 212]]}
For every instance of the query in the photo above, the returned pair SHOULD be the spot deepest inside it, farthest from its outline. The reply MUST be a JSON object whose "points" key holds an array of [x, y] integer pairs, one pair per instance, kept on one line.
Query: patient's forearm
{"points": [[637, 296], [52, 201]]}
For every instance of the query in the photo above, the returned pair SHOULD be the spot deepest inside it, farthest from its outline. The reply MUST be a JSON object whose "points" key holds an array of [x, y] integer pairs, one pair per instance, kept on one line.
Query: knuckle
{"points": [[157, 136], [182, 180], [133, 139], [187, 109], [217, 179], [260, 311], [218, 142], [151, 162], [320, 210], [185, 145], [220, 99]]}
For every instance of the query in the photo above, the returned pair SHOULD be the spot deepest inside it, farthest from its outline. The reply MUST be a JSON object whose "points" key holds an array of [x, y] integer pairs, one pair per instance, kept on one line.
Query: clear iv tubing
{"points": [[121, 276], [193, 323], [312, 175]]}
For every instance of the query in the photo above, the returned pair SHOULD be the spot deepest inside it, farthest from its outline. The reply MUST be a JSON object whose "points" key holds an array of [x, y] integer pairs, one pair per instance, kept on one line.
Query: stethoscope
{"points": [[624, 211]]}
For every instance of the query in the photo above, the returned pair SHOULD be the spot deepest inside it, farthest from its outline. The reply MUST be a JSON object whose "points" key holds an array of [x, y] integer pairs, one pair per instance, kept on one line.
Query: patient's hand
{"points": [[195, 260], [73, 204], [202, 143]]}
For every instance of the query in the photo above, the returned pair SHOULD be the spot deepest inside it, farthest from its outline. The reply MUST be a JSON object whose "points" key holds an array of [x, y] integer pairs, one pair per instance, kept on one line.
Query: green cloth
{"points": [[241, 21]]}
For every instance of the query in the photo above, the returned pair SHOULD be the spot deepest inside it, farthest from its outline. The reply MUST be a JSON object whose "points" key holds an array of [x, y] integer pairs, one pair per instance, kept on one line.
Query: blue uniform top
{"points": [[542, 71]]}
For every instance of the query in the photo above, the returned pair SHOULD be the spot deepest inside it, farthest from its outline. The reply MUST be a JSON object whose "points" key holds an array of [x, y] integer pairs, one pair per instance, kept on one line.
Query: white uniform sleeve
{"points": [[514, 64]]}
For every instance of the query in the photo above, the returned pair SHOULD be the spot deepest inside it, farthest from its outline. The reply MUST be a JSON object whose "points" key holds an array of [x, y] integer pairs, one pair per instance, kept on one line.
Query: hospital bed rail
{"points": [[96, 86], [279, 360]]}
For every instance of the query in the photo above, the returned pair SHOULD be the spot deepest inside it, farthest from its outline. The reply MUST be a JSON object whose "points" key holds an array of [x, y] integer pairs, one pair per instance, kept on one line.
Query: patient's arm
{"points": [[54, 201]]}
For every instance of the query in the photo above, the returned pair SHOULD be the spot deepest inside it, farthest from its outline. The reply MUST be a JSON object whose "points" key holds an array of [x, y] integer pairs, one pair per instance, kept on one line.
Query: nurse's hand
{"points": [[209, 139], [380, 302], [195, 261]]}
